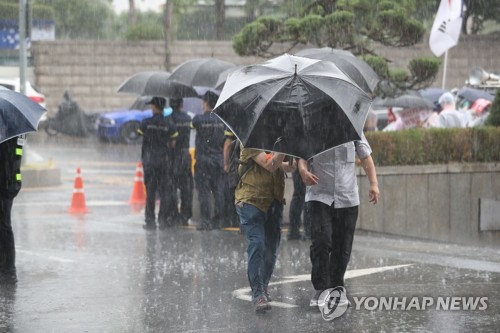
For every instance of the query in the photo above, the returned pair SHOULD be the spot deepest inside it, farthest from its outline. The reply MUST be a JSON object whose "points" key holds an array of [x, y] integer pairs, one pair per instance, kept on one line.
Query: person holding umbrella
{"points": [[259, 203], [159, 135], [18, 115], [11, 152], [332, 201]]}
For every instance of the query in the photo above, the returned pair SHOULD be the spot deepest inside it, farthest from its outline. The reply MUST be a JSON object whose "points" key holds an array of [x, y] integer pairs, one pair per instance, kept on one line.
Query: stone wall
{"points": [[436, 202], [93, 70]]}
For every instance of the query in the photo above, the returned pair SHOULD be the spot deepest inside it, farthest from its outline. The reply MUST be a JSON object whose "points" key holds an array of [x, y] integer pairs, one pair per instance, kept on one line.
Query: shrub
{"points": [[147, 31], [435, 146]]}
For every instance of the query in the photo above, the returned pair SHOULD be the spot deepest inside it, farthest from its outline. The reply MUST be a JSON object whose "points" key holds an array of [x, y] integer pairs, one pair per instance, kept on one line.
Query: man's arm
{"points": [[369, 167], [271, 162], [307, 177], [227, 153]]}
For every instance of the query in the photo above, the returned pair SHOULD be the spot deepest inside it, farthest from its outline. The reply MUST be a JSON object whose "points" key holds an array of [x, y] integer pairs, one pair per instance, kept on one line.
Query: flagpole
{"points": [[444, 69]]}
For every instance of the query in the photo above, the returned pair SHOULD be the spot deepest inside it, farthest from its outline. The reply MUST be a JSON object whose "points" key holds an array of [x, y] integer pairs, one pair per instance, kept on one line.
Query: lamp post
{"points": [[22, 45]]}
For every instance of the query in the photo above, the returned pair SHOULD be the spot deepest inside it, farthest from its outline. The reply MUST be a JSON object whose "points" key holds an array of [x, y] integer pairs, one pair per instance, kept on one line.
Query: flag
{"points": [[447, 26]]}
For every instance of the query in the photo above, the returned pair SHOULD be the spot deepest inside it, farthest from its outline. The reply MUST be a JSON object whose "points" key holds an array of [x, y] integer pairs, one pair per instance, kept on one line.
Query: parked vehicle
{"points": [[121, 125], [36, 96], [70, 119]]}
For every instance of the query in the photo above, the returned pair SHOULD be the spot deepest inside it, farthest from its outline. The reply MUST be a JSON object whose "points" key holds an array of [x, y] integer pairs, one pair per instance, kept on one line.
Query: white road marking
{"points": [[242, 293], [31, 253]]}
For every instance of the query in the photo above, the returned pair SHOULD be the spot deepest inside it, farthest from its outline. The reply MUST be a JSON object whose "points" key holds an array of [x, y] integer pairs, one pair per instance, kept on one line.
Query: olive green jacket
{"points": [[258, 186]]}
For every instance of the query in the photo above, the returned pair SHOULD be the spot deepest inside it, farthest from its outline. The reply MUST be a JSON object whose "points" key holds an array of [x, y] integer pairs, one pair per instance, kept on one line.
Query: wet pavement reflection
{"points": [[101, 272]]}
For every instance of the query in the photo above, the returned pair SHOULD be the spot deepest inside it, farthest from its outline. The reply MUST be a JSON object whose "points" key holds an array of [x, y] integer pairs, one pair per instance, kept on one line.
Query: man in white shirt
{"points": [[332, 200]]}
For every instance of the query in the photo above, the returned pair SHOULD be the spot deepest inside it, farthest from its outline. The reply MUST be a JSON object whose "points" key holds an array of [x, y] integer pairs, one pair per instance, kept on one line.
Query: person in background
{"points": [[332, 200], [259, 203], [371, 122], [296, 210], [159, 135], [183, 176], [209, 173], [11, 152], [231, 158], [479, 111], [449, 117]]}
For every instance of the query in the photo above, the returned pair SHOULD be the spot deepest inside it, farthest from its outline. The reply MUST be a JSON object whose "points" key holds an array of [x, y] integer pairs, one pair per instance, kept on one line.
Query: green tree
{"points": [[350, 25], [80, 19], [478, 12], [494, 117]]}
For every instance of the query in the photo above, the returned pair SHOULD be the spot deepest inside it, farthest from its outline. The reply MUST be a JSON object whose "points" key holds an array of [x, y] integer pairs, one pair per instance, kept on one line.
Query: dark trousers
{"points": [[332, 235], [158, 179], [183, 180], [297, 206], [7, 246], [210, 180]]}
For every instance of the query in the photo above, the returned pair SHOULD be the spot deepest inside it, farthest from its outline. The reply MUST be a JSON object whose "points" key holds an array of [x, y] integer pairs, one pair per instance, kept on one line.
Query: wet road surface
{"points": [[101, 272]]}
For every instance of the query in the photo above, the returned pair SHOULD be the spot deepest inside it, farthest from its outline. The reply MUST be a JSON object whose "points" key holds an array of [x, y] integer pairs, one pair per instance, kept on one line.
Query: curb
{"points": [[40, 177]]}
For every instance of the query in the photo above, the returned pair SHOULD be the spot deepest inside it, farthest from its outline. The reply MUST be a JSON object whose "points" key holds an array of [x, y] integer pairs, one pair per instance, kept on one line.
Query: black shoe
{"points": [[262, 305]]}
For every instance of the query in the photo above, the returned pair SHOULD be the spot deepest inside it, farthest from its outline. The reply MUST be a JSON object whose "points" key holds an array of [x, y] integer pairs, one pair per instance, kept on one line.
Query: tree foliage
{"points": [[494, 117], [478, 12], [350, 25], [80, 19]]}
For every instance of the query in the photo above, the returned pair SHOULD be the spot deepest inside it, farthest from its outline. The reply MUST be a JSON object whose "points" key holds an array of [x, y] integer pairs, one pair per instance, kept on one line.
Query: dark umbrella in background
{"points": [[200, 72], [18, 114], [432, 94], [355, 68], [294, 105], [219, 85], [156, 84], [406, 102], [472, 94]]}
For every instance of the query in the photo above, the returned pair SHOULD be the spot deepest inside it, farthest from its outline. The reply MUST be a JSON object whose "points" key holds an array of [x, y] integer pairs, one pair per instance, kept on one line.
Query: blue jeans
{"points": [[263, 233]]}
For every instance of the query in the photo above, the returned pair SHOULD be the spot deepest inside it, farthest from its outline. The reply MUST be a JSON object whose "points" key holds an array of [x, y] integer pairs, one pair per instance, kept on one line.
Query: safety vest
{"points": [[11, 152], [21, 140]]}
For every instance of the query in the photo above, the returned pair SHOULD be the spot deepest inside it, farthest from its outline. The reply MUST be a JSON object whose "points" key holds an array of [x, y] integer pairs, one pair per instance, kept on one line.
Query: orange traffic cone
{"points": [[78, 201], [138, 196]]}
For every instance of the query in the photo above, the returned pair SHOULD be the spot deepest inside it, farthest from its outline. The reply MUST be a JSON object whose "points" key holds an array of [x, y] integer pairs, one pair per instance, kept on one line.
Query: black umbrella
{"points": [[358, 70], [18, 114], [432, 94], [472, 94], [156, 84], [406, 102], [294, 105], [200, 72]]}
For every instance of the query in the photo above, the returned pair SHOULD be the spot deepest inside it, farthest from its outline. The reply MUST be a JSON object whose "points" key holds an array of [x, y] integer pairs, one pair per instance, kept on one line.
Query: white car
{"points": [[15, 85]]}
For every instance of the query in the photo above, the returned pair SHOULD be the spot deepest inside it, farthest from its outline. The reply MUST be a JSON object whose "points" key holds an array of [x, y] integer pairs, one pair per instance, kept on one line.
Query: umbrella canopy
{"points": [[294, 105], [407, 102], [223, 77], [432, 94], [358, 70], [18, 114], [472, 94], [200, 72], [156, 84]]}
